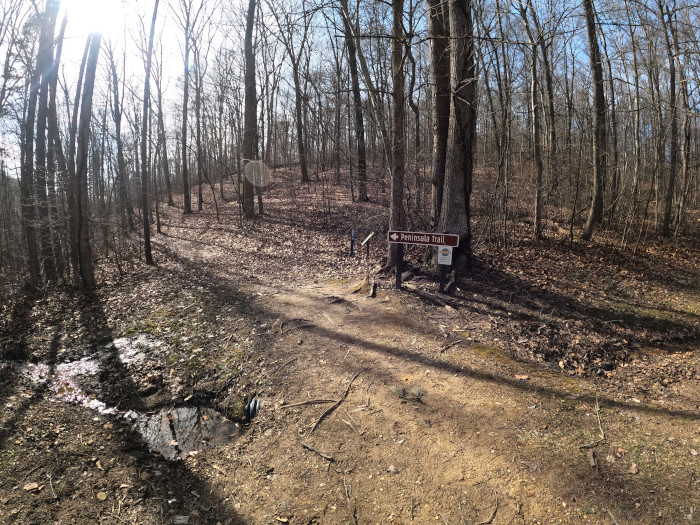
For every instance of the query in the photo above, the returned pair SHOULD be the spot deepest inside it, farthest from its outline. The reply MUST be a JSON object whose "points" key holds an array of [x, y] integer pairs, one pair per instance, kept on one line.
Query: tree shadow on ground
{"points": [[467, 372], [172, 491]]}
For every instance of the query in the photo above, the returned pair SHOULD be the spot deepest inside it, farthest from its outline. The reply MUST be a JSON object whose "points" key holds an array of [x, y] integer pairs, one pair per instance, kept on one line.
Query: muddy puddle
{"points": [[174, 433], [181, 431]]}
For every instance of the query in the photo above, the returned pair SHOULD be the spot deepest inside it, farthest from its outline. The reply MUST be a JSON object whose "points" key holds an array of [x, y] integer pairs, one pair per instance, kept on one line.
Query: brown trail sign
{"points": [[424, 238], [445, 242]]}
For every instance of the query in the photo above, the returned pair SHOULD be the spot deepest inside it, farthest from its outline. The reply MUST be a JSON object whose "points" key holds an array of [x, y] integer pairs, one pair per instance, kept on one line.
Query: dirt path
{"points": [[436, 428]]}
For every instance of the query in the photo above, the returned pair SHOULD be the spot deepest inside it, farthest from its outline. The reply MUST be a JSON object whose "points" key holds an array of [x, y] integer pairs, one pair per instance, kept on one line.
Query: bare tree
{"points": [[599, 125], [250, 112], [87, 272], [144, 141]]}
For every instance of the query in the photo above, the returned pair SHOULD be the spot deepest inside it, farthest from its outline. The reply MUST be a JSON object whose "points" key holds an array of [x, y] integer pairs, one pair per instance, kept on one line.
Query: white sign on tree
{"points": [[445, 255]]}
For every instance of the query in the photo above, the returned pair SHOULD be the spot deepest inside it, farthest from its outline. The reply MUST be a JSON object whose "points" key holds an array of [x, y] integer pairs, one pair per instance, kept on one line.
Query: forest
{"points": [[203, 319]]}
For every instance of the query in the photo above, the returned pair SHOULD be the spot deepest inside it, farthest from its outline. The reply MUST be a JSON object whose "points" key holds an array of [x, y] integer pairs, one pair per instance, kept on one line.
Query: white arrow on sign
{"points": [[394, 236]]}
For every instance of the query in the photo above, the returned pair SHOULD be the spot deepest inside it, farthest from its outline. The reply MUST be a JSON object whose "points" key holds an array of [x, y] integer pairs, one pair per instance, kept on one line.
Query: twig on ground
{"points": [[450, 345], [309, 402], [286, 363], [493, 515], [350, 425], [336, 405], [611, 516], [303, 323], [312, 449], [51, 485], [32, 470], [603, 437], [351, 507], [597, 413]]}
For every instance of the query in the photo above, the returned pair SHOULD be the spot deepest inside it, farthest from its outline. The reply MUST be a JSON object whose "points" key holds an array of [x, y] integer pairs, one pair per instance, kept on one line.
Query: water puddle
{"points": [[174, 433]]}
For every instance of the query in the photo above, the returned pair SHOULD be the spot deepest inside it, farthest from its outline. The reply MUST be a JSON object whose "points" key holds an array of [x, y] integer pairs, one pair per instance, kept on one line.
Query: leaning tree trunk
{"points": [[599, 127], [87, 272]]}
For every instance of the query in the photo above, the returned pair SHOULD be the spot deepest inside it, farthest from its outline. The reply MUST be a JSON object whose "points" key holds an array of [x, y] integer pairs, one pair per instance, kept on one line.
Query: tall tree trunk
{"points": [[673, 163], [249, 113], [72, 183], [438, 27], [87, 272], [299, 113], [599, 126], [185, 102], [44, 62], [162, 139], [198, 130], [455, 216], [144, 141], [549, 85], [357, 103], [125, 211], [536, 123], [55, 157], [27, 186], [615, 168], [397, 213]]}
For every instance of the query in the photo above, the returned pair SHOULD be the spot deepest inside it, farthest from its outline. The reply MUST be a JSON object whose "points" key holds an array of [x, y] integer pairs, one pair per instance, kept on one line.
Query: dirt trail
{"points": [[434, 428]]}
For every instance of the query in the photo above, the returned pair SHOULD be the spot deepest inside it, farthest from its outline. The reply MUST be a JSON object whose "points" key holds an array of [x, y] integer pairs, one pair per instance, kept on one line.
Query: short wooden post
{"points": [[399, 264]]}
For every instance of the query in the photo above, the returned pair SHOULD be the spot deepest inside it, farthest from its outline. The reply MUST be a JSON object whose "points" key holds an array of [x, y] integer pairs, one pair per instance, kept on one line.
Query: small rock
{"points": [[392, 470], [29, 487], [634, 469]]}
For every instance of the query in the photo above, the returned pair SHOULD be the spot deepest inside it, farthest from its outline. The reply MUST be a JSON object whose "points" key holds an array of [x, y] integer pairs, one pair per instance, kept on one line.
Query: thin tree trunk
{"points": [[536, 123], [599, 126], [357, 104], [83, 212], [27, 186], [673, 163], [44, 63], [249, 114], [397, 214], [144, 140], [185, 101]]}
